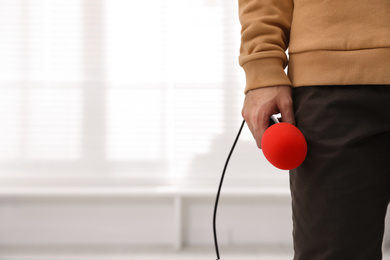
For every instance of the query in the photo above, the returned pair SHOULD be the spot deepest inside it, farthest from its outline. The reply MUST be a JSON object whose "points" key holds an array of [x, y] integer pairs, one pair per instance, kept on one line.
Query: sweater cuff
{"points": [[265, 73]]}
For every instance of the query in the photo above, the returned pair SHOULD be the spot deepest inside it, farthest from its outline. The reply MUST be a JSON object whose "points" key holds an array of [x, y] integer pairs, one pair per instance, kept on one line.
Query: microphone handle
{"points": [[273, 120]]}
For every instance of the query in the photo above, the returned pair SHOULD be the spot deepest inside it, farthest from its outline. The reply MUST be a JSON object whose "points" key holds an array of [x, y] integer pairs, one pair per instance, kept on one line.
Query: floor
{"points": [[145, 254], [159, 254]]}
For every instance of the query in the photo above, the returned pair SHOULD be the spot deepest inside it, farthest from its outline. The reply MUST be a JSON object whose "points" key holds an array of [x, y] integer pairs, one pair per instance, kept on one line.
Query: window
{"points": [[124, 92]]}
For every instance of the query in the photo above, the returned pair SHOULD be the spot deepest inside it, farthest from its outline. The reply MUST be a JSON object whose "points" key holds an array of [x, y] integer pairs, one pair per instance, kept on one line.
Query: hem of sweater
{"points": [[335, 67], [265, 72]]}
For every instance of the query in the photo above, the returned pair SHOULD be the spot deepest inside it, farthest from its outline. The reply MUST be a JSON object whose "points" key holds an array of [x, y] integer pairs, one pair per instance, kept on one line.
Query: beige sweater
{"points": [[330, 42]]}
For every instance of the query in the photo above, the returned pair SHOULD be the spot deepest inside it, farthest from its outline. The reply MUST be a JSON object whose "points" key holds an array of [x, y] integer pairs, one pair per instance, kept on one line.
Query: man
{"points": [[337, 92]]}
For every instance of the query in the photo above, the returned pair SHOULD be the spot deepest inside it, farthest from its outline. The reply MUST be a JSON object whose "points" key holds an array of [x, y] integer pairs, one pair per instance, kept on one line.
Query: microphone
{"points": [[284, 145]]}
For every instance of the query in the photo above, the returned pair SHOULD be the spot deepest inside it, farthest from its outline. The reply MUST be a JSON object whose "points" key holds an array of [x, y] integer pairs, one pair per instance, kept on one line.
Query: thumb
{"points": [[287, 112]]}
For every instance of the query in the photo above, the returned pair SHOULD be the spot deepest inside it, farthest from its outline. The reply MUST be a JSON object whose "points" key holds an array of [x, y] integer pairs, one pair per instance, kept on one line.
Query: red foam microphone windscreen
{"points": [[284, 146]]}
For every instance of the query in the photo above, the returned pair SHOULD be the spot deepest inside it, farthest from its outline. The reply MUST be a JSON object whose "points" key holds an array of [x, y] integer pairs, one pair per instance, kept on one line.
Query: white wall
{"points": [[167, 219]]}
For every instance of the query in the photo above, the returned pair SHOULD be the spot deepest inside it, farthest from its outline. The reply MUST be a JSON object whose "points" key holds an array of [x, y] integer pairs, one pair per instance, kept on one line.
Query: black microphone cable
{"points": [[219, 190], [272, 120]]}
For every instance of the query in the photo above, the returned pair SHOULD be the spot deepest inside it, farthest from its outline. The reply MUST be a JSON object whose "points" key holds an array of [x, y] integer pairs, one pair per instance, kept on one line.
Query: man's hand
{"points": [[264, 102]]}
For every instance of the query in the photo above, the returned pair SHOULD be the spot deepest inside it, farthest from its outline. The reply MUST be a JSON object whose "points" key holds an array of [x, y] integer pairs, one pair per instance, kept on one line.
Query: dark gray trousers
{"points": [[341, 191]]}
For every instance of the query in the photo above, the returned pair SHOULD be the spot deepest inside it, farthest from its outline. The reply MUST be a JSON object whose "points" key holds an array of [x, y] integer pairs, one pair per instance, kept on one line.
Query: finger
{"points": [[287, 111], [261, 125], [250, 120]]}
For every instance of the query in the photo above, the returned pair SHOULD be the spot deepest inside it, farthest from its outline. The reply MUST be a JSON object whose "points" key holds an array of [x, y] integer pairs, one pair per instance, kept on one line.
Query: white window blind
{"points": [[124, 92]]}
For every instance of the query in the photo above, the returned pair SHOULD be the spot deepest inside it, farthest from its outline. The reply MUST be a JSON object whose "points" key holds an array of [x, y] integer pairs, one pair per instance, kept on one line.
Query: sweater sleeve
{"points": [[265, 35]]}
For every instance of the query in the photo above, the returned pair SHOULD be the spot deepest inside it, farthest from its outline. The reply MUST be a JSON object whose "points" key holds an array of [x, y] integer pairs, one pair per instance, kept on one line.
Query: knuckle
{"points": [[243, 113], [246, 114]]}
